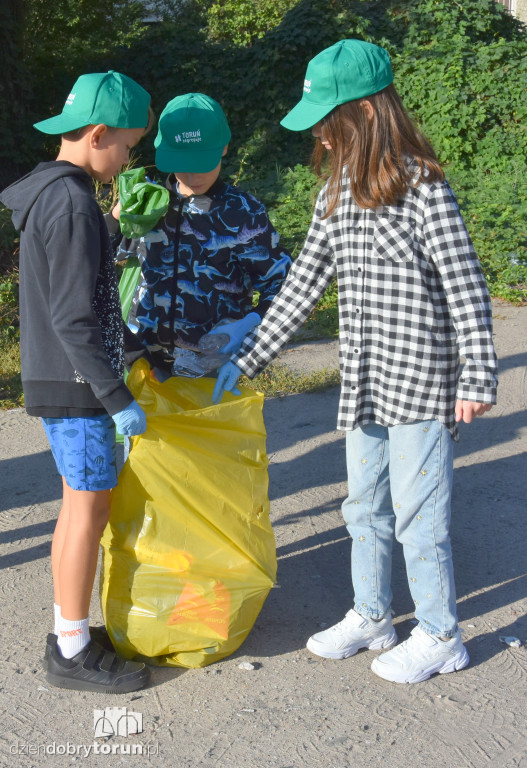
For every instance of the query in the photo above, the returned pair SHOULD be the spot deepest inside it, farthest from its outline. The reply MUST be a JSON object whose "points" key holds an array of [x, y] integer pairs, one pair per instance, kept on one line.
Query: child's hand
{"points": [[228, 376], [131, 420], [237, 331], [116, 211], [466, 410]]}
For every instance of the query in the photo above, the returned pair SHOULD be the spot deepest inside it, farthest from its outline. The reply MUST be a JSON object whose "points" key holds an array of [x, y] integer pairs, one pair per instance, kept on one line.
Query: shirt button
{"points": [[355, 350]]}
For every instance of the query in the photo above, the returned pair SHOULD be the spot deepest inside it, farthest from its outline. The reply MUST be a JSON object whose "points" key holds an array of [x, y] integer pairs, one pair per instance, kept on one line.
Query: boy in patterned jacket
{"points": [[214, 247]]}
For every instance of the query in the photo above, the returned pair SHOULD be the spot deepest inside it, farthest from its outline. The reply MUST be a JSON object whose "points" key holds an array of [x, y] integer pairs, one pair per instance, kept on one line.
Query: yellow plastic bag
{"points": [[189, 555]]}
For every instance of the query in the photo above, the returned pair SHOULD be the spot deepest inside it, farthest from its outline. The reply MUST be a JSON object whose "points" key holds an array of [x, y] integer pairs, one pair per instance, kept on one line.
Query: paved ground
{"points": [[294, 710]]}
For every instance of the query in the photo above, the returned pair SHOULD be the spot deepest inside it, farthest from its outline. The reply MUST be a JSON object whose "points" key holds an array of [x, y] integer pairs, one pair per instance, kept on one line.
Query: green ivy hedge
{"points": [[461, 69]]}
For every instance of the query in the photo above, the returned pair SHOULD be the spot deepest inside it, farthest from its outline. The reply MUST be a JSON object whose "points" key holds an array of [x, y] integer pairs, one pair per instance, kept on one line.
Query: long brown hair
{"points": [[373, 146]]}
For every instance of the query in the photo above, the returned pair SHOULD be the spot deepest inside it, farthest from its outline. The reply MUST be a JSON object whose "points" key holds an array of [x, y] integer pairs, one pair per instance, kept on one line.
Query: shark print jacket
{"points": [[202, 264]]}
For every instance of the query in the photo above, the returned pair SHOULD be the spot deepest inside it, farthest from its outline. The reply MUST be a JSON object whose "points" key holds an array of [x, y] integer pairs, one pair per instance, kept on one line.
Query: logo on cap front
{"points": [[70, 99], [307, 86], [188, 137]]}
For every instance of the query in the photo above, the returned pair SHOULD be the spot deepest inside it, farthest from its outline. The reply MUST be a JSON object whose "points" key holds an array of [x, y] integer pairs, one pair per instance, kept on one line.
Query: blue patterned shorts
{"points": [[84, 451]]}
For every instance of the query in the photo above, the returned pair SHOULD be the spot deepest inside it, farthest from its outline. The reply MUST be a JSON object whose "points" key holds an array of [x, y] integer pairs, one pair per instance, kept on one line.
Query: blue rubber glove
{"points": [[228, 376], [237, 331], [131, 420]]}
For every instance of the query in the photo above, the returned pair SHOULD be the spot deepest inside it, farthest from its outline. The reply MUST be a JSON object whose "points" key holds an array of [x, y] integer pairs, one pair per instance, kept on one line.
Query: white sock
{"points": [[73, 636], [56, 609]]}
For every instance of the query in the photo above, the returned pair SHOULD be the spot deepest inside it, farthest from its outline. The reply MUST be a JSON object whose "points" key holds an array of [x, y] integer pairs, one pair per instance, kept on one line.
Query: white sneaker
{"points": [[421, 656], [351, 634]]}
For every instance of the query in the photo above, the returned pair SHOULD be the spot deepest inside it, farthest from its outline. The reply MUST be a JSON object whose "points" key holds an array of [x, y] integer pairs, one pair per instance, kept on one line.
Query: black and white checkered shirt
{"points": [[412, 302]]}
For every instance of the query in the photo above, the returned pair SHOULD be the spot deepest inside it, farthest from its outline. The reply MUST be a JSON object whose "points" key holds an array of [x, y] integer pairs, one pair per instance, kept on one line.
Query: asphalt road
{"points": [[292, 709]]}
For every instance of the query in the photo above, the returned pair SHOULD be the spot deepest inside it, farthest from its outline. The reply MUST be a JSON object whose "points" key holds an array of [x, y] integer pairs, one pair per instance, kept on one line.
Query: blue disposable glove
{"points": [[228, 376], [236, 331], [131, 420]]}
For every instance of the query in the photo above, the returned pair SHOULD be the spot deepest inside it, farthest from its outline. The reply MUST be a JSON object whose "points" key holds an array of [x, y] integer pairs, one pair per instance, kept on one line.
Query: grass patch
{"points": [[278, 380], [323, 323], [11, 395], [10, 381]]}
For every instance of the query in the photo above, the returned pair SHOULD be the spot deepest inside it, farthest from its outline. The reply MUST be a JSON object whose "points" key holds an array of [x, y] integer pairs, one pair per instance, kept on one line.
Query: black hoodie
{"points": [[70, 318]]}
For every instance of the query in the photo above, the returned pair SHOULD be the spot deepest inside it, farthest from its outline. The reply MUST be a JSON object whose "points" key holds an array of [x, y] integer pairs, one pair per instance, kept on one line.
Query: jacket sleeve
{"points": [[265, 262], [451, 250], [73, 247], [133, 349], [123, 248], [305, 283]]}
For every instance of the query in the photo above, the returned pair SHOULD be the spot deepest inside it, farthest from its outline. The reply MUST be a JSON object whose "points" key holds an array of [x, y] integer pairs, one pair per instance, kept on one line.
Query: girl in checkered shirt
{"points": [[412, 302]]}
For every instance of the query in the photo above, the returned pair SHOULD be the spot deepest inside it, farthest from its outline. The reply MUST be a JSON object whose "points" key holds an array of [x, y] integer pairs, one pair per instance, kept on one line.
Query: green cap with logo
{"points": [[192, 134], [102, 97], [347, 70]]}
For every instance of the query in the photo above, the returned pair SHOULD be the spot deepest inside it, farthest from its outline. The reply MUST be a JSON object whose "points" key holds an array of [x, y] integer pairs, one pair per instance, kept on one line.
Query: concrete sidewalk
{"points": [[294, 710]]}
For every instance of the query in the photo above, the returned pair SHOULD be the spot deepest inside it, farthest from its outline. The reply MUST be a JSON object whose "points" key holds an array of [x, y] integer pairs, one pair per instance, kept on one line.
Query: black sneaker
{"points": [[97, 634], [94, 669]]}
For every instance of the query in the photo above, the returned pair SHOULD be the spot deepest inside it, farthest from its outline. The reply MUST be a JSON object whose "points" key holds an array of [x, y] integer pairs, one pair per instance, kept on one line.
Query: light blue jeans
{"points": [[400, 483]]}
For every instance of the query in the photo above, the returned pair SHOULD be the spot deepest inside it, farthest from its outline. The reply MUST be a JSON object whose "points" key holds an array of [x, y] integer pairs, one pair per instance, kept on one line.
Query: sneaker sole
{"points": [[375, 644], [443, 668], [73, 684]]}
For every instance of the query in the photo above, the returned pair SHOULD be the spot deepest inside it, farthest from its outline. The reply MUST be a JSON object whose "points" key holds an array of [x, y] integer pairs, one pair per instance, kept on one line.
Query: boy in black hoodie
{"points": [[72, 353]]}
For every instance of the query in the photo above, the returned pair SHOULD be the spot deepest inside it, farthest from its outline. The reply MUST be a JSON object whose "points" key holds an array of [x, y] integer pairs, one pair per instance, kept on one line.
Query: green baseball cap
{"points": [[348, 70], [192, 134], [103, 97]]}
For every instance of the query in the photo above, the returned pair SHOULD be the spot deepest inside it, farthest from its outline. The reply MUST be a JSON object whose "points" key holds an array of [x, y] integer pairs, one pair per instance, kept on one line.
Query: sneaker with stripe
{"points": [[421, 656], [351, 634]]}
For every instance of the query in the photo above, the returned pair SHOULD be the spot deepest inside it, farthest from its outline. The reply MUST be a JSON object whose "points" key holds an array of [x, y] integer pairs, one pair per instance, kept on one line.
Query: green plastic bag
{"points": [[127, 286], [143, 203]]}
